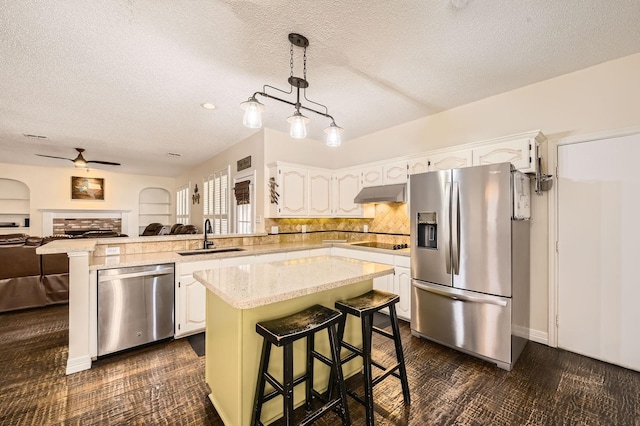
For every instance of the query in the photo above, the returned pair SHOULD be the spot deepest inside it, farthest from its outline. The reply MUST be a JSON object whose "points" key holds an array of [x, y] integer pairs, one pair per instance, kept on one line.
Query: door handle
{"points": [[447, 234], [460, 297], [455, 228]]}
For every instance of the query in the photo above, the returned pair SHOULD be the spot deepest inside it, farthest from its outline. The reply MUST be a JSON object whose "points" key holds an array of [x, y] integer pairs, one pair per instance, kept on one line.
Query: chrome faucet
{"points": [[207, 228]]}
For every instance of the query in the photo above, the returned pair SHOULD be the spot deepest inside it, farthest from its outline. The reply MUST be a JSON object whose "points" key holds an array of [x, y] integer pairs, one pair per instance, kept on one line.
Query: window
{"points": [[216, 200], [182, 205], [244, 212]]}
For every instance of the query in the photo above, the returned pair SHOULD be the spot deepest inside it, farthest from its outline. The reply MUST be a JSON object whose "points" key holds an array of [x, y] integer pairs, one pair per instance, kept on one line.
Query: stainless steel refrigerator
{"points": [[470, 260]]}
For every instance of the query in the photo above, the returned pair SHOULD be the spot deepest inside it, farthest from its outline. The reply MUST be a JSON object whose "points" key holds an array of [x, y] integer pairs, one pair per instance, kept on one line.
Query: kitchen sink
{"points": [[209, 251]]}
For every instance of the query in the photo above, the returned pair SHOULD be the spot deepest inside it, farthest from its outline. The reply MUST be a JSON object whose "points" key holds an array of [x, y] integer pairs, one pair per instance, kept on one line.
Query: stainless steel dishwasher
{"points": [[135, 306]]}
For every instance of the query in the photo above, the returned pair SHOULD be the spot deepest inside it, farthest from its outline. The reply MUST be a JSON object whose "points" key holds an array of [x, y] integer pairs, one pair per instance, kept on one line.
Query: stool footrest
{"points": [[319, 413], [385, 333], [322, 358], [278, 390], [389, 371]]}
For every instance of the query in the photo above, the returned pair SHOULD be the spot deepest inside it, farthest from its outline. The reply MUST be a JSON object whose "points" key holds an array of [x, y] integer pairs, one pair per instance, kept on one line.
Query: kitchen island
{"points": [[239, 297]]}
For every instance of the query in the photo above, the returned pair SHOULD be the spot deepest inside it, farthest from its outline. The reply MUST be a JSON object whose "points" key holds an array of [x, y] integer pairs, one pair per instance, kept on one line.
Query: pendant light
{"points": [[298, 130]]}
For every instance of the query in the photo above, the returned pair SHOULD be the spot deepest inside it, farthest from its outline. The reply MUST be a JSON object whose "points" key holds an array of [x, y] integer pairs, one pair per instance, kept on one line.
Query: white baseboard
{"points": [[530, 334], [80, 363]]}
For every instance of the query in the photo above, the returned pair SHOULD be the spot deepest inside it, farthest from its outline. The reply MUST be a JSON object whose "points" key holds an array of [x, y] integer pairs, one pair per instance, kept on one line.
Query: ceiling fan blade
{"points": [[109, 163], [51, 156]]}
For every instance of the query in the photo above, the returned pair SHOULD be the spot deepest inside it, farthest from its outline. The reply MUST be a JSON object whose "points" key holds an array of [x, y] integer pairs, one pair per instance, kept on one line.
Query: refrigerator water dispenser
{"points": [[427, 230]]}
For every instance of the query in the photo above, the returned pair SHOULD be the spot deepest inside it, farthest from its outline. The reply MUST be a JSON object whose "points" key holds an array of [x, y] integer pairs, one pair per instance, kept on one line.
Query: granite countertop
{"points": [[67, 246], [255, 285], [139, 259]]}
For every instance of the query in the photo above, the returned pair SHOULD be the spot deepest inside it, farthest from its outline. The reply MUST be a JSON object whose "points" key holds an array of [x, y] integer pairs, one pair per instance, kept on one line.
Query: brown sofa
{"points": [[27, 279]]}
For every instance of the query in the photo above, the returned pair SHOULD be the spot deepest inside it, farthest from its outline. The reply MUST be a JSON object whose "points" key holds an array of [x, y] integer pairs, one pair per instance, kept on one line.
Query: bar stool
{"points": [[364, 306], [283, 332]]}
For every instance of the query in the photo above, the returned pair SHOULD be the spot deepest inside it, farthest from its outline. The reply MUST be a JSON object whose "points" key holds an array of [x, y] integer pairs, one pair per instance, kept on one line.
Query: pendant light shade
{"points": [[333, 134], [298, 125], [253, 109], [252, 113]]}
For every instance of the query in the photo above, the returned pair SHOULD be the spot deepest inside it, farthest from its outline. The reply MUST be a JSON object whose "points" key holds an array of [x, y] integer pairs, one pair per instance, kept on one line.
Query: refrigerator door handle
{"points": [[455, 231], [447, 220], [462, 298]]}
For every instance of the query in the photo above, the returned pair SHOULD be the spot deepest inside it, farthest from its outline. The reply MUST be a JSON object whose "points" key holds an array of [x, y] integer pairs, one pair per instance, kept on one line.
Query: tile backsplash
{"points": [[389, 219]]}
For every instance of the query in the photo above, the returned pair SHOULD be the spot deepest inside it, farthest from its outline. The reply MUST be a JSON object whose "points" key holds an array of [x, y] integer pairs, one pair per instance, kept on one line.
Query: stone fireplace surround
{"points": [[57, 221]]}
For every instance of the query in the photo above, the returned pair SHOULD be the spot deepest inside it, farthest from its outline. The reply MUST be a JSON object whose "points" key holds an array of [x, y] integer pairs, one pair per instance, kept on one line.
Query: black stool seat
{"points": [[367, 303], [364, 307], [283, 332]]}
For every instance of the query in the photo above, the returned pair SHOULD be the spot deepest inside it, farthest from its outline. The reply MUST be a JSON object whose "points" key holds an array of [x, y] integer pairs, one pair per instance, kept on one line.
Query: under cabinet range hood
{"points": [[396, 193]]}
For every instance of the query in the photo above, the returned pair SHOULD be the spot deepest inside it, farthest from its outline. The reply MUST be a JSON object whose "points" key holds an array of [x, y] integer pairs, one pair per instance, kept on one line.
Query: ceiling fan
{"points": [[79, 161]]}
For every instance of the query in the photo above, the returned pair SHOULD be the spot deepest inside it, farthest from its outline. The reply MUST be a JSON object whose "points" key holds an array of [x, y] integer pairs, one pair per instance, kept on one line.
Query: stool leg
{"points": [[367, 331], [287, 386], [399, 354], [264, 365], [336, 371], [341, 326], [309, 372]]}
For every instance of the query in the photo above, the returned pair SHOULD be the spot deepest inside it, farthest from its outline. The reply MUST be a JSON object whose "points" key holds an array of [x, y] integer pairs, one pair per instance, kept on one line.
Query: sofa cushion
{"points": [[13, 239]]}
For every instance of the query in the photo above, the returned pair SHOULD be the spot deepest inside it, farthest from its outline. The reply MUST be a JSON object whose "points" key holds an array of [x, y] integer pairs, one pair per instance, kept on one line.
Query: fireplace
{"points": [[77, 222], [80, 226]]}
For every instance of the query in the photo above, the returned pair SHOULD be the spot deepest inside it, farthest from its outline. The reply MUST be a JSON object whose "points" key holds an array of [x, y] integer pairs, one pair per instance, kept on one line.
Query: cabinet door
{"points": [[418, 165], [346, 186], [319, 193], [191, 313], [371, 176], [394, 173], [402, 287], [293, 192], [451, 160], [518, 152]]}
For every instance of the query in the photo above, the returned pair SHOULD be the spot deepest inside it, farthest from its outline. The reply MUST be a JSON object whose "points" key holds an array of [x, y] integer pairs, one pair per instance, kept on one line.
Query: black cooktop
{"points": [[385, 246]]}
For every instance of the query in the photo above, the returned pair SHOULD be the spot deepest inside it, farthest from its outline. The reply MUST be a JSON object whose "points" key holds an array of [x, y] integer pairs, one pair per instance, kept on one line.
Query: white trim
{"points": [[552, 162], [530, 334], [77, 364]]}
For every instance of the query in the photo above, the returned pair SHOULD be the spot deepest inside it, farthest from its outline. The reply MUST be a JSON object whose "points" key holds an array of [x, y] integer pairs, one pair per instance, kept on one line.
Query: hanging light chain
{"points": [[304, 62], [291, 60]]}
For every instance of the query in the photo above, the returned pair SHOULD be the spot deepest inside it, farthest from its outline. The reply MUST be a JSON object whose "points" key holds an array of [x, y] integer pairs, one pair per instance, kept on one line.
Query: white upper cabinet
{"points": [[418, 165], [294, 198], [346, 186], [519, 152], [319, 193], [451, 160], [371, 176], [394, 173]]}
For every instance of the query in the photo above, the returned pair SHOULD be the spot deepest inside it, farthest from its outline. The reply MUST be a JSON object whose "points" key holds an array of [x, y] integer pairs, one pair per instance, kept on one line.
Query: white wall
{"points": [[51, 189], [253, 146], [602, 97]]}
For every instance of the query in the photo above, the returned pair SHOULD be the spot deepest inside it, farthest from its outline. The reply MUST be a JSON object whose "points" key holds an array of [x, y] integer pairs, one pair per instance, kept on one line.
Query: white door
{"points": [[598, 236]]}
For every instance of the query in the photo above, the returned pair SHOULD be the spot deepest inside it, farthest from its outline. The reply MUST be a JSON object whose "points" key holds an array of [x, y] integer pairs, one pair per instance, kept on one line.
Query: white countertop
{"points": [[251, 286], [68, 246]]}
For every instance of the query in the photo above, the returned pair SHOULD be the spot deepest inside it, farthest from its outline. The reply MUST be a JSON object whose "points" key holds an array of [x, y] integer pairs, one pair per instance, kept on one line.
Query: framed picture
{"points": [[84, 188]]}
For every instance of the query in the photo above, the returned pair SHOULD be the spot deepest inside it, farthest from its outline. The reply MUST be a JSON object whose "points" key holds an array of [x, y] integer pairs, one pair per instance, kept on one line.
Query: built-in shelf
{"points": [[154, 206], [14, 206]]}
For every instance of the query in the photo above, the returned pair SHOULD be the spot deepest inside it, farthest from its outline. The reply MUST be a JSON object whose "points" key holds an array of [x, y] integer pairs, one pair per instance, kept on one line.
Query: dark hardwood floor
{"points": [[164, 384]]}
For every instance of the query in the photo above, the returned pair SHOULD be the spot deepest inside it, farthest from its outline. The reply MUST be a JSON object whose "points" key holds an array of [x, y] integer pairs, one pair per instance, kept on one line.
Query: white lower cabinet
{"points": [[190, 299], [402, 286]]}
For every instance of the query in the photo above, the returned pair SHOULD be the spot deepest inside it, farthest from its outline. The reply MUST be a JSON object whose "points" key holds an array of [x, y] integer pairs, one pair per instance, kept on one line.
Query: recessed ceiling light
{"points": [[174, 154], [208, 105]]}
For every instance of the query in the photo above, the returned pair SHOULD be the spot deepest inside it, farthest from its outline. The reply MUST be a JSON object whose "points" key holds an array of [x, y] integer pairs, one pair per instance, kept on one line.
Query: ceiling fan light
{"points": [[333, 134], [298, 123], [79, 163], [252, 113]]}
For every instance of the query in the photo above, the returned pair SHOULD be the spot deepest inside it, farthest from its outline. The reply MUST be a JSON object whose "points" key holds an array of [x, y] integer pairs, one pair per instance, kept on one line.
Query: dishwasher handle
{"points": [[153, 272]]}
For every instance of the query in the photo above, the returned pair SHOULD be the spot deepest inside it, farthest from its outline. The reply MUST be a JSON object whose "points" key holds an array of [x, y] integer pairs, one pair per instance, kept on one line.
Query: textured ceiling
{"points": [[124, 79]]}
